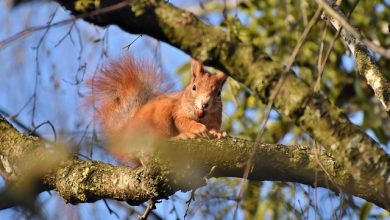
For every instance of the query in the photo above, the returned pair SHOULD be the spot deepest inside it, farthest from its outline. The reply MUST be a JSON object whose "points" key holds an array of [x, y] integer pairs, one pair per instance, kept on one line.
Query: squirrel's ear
{"points": [[221, 77], [196, 68]]}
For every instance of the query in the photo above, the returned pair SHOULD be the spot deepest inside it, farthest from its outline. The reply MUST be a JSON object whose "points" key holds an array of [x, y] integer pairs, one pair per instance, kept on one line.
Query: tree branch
{"points": [[172, 166], [365, 64]]}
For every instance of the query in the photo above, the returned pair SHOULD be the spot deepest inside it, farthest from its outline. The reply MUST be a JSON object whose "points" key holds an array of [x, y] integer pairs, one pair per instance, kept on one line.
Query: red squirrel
{"points": [[131, 96]]}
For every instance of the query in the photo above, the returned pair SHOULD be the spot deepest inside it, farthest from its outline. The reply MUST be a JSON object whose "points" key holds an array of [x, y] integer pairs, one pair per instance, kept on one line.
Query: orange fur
{"points": [[131, 96]]}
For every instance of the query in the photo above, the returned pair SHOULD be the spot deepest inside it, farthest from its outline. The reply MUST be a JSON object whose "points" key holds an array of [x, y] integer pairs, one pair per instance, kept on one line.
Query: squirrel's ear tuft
{"points": [[221, 77], [196, 68]]}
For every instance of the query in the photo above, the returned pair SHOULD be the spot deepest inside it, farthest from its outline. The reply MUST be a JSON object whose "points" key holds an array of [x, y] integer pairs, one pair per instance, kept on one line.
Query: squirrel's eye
{"points": [[219, 93], [194, 87]]}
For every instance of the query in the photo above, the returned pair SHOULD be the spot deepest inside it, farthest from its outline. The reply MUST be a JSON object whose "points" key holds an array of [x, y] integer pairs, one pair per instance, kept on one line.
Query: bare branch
{"points": [[30, 30], [351, 35], [174, 166]]}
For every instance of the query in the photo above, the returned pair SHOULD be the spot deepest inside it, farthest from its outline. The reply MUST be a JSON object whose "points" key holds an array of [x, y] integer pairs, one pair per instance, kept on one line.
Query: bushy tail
{"points": [[121, 88]]}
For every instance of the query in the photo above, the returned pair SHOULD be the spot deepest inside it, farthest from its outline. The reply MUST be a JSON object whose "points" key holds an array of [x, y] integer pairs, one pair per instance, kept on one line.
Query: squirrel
{"points": [[132, 96]]}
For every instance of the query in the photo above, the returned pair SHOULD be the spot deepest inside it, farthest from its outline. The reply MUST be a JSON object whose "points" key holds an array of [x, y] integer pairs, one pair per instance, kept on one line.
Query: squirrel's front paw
{"points": [[217, 134], [183, 136], [198, 132]]}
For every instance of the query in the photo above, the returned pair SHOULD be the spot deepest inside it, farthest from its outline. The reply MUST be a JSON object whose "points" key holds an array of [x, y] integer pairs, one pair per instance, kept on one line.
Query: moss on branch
{"points": [[179, 165]]}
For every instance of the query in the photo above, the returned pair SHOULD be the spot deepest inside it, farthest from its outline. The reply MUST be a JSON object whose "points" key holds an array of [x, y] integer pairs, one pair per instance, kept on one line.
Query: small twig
{"points": [[300, 207], [37, 66], [109, 209], [68, 33], [14, 120], [326, 4], [148, 210], [315, 193], [303, 11], [84, 134], [317, 86], [173, 210], [83, 156], [27, 129], [323, 61], [132, 42], [316, 154], [21, 109], [210, 172], [96, 12], [82, 66], [274, 94], [188, 202], [33, 132], [342, 207], [302, 39]]}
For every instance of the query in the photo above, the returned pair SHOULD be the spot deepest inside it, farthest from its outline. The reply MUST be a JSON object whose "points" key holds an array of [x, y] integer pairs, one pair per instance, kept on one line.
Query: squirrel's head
{"points": [[205, 89]]}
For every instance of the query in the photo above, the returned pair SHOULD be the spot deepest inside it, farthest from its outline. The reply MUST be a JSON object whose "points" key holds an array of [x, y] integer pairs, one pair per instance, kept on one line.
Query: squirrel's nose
{"points": [[205, 105]]}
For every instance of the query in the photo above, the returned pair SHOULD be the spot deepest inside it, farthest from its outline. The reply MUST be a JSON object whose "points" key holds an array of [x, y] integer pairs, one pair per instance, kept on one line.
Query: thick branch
{"points": [[173, 166], [249, 65]]}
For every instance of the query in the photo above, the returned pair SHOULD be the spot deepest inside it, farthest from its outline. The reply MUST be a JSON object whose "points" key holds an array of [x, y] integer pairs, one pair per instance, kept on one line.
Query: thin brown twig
{"points": [[315, 194], [274, 94], [353, 31], [38, 71], [317, 86], [110, 210], [14, 120], [132, 42], [66, 35], [330, 48], [130, 211], [188, 202], [30, 30], [82, 65], [102, 55], [84, 135], [303, 11], [148, 210], [13, 117], [317, 152], [30, 131], [44, 123], [302, 39]]}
